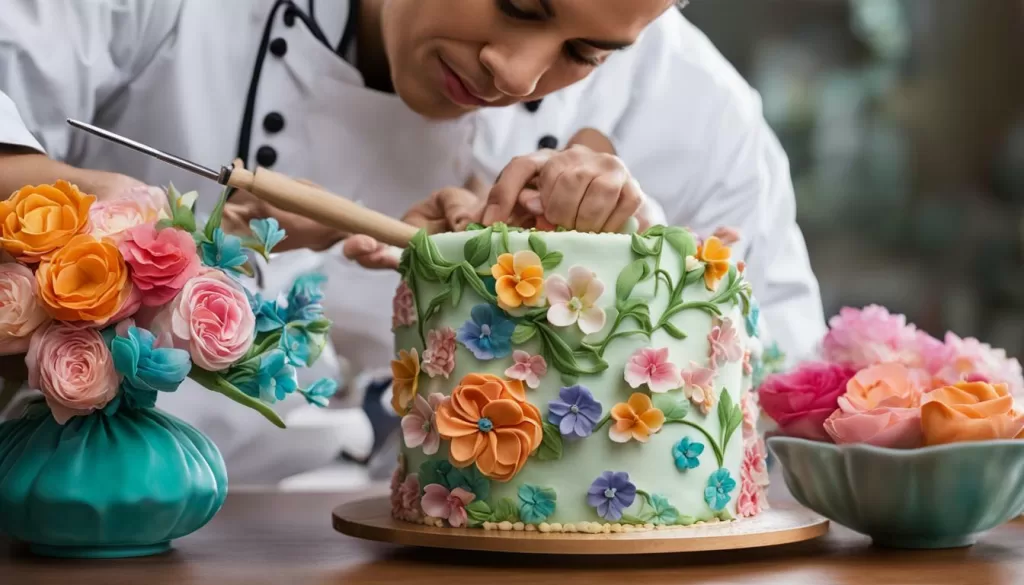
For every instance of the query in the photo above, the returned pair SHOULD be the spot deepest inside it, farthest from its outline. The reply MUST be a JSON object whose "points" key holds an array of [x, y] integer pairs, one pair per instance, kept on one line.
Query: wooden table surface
{"points": [[287, 539]]}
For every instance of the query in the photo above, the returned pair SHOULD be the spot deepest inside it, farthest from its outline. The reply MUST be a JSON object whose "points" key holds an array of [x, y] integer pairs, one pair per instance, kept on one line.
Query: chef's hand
{"points": [[301, 232], [585, 188]]}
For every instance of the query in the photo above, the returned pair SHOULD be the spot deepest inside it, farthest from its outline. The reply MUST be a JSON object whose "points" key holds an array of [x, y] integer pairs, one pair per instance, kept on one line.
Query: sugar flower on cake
{"points": [[728, 235], [161, 261], [880, 407], [146, 367], [20, 312], [488, 333], [536, 504], [610, 494], [686, 454], [801, 400], [635, 419], [724, 343], [87, 280], [753, 319], [751, 412], [134, 207], [403, 307], [576, 412], [73, 369], [439, 357], [720, 485], [36, 221], [489, 423], [527, 368], [864, 337], [575, 301], [752, 499], [519, 280], [970, 360], [405, 373], [970, 411], [438, 502], [419, 427], [223, 251], [715, 256], [405, 497], [698, 385], [652, 367]]}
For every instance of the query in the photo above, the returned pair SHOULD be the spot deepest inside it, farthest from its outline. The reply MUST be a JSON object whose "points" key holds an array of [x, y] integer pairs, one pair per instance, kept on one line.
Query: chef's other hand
{"points": [[301, 231], [585, 187], [450, 209]]}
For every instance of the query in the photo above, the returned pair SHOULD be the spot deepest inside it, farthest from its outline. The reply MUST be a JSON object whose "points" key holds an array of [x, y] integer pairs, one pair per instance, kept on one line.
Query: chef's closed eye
{"points": [[585, 52]]}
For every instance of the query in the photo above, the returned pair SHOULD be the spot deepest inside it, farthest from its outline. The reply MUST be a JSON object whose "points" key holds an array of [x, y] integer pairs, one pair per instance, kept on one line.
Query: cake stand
{"points": [[370, 519]]}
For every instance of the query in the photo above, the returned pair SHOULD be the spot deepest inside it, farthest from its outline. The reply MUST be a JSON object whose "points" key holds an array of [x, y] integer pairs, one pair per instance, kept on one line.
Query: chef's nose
{"points": [[517, 68]]}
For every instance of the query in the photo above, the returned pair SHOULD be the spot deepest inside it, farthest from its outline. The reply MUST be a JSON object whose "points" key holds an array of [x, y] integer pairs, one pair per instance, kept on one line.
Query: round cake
{"points": [[573, 382]]}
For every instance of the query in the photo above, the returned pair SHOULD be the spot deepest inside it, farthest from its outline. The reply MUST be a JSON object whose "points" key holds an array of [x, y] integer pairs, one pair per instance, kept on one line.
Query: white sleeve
{"points": [[695, 137], [70, 58]]}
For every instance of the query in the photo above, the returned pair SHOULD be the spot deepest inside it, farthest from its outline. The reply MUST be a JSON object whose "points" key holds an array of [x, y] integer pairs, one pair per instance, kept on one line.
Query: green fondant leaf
{"points": [[629, 277], [469, 479], [216, 215], [523, 333], [164, 224], [674, 405], [536, 315], [320, 325], [559, 355], [686, 520], [478, 248], [569, 379], [730, 416], [506, 510], [435, 303], [643, 248], [664, 512], [435, 471], [654, 231], [456, 287], [551, 260], [478, 512], [694, 276], [551, 445], [673, 331], [630, 519], [681, 241], [538, 245], [503, 246], [474, 227], [473, 280]]}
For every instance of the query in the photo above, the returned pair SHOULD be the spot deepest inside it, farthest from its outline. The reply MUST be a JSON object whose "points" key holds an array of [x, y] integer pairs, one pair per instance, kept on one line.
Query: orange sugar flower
{"points": [[405, 372], [520, 280], [970, 411], [715, 256], [488, 424], [36, 221], [86, 280], [635, 419]]}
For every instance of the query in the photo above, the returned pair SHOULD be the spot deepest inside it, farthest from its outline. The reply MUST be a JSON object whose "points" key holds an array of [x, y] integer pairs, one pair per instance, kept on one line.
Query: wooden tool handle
{"points": [[322, 206]]}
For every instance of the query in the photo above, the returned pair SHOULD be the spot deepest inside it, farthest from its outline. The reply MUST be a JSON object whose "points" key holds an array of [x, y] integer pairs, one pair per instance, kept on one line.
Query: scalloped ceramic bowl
{"points": [[933, 497]]}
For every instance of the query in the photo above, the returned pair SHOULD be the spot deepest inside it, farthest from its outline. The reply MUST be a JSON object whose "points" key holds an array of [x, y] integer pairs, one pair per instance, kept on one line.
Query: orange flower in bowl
{"points": [[36, 221], [715, 256], [882, 386], [519, 280], [970, 411], [636, 418], [86, 280], [488, 424]]}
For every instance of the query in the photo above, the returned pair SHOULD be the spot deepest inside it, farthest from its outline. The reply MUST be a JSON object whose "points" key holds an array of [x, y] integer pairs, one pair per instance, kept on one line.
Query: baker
{"points": [[435, 110]]}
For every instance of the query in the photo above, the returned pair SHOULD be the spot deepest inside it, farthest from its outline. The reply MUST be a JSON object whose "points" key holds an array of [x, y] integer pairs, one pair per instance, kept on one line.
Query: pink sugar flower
{"points": [[418, 426], [968, 359], [438, 502], [21, 313], [527, 368], [73, 369], [724, 343], [863, 337], [576, 301], [753, 480], [698, 385], [439, 357], [161, 261], [403, 307], [651, 366]]}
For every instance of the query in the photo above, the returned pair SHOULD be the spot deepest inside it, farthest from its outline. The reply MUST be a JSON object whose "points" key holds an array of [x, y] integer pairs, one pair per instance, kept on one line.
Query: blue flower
{"points": [[269, 315], [536, 504], [296, 345], [686, 452], [719, 486], [267, 232], [664, 513], [146, 369], [611, 494], [576, 412], [320, 392], [488, 334], [305, 296], [276, 377], [225, 252], [753, 316]]}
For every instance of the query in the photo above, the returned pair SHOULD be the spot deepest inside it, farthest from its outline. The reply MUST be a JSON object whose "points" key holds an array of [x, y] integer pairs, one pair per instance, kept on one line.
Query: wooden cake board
{"points": [[370, 519]]}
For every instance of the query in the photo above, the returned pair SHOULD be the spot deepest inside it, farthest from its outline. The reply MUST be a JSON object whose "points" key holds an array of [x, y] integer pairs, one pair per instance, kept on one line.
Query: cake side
{"points": [[614, 371]]}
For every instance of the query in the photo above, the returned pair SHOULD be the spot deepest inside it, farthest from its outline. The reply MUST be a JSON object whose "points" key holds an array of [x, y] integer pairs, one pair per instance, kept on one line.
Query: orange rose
{"points": [[36, 221], [970, 411], [715, 256], [489, 423], [86, 280]]}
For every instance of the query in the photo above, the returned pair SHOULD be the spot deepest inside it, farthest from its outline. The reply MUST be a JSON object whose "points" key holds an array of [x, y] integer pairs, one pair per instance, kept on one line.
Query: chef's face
{"points": [[448, 57]]}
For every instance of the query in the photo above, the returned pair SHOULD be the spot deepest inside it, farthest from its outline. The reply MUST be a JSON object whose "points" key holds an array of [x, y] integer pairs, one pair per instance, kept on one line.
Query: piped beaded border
{"points": [[569, 528]]}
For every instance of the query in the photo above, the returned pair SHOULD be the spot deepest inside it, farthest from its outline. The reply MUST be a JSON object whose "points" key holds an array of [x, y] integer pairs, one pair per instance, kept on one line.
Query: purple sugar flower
{"points": [[575, 412], [610, 494]]}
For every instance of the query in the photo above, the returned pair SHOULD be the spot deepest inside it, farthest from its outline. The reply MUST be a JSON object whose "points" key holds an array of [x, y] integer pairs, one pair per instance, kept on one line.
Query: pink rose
{"points": [[211, 318], [439, 357], [753, 480], [896, 428], [73, 369], [884, 385], [112, 218], [864, 337], [20, 311], [403, 307], [162, 261], [800, 401], [970, 360]]}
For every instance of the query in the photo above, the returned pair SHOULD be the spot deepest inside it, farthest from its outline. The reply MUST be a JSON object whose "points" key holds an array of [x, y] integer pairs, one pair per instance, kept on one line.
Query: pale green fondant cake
{"points": [[575, 382]]}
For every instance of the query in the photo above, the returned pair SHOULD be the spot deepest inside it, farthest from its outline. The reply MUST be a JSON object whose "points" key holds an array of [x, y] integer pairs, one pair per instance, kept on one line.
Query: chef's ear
{"points": [[592, 139]]}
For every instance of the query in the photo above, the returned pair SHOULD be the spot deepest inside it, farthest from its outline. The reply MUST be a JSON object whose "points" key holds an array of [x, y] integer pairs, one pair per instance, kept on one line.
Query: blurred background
{"points": [[904, 125]]}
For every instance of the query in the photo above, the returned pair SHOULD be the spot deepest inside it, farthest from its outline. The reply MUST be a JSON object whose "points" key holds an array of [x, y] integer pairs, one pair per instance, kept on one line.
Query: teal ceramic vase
{"points": [[933, 497], [106, 486]]}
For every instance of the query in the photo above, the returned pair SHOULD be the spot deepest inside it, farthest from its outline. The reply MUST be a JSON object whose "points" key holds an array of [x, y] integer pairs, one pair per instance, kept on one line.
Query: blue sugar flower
{"points": [[719, 486], [267, 232], [536, 504], [664, 512], [491, 284], [320, 392], [296, 345], [611, 494], [488, 333], [224, 252], [576, 412], [269, 315], [686, 452], [276, 378], [753, 316], [146, 369], [305, 296]]}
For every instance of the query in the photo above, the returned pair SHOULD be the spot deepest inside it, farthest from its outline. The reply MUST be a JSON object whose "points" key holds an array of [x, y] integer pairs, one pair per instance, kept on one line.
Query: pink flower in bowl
{"points": [[868, 336], [73, 369], [880, 408], [801, 400], [967, 359], [21, 313], [161, 261]]}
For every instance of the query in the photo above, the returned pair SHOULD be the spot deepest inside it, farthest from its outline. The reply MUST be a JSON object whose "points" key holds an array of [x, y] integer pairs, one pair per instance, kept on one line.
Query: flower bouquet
{"points": [[103, 306], [899, 435]]}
